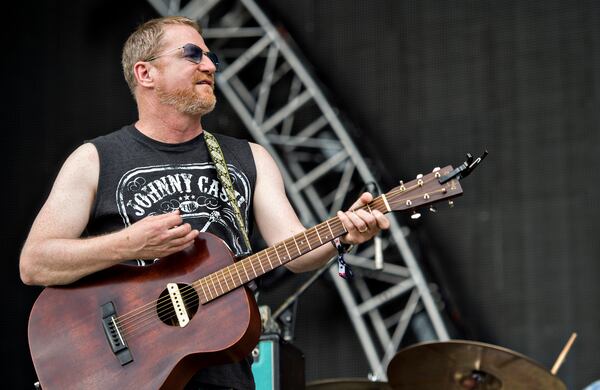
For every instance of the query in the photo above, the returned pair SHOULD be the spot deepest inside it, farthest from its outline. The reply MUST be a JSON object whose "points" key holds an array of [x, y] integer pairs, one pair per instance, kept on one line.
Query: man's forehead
{"points": [[179, 35]]}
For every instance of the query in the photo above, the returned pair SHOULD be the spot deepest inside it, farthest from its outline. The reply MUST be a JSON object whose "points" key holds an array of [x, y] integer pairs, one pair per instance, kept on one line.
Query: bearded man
{"points": [[146, 191]]}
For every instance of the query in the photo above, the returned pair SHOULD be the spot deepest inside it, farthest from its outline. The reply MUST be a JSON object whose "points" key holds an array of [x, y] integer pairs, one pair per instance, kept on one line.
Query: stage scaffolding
{"points": [[283, 107]]}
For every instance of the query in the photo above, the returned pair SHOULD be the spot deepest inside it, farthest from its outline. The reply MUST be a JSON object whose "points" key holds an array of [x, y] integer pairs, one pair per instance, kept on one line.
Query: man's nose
{"points": [[206, 65]]}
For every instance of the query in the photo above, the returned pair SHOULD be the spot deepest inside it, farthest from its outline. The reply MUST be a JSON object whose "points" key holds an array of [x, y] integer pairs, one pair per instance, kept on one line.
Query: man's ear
{"points": [[143, 74]]}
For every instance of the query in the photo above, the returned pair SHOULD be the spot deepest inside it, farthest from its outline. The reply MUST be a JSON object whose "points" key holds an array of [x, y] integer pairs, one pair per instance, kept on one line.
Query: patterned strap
{"points": [[216, 154]]}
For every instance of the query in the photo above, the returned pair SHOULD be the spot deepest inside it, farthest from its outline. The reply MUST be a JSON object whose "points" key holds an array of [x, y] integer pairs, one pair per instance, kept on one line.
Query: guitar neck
{"points": [[435, 186], [241, 272]]}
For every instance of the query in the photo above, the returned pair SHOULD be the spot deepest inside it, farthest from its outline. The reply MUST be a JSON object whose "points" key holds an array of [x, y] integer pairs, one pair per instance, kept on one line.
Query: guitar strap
{"points": [[216, 155]]}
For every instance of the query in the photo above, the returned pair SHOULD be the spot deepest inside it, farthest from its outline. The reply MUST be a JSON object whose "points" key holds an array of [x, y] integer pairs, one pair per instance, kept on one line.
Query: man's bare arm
{"points": [[54, 252], [277, 220]]}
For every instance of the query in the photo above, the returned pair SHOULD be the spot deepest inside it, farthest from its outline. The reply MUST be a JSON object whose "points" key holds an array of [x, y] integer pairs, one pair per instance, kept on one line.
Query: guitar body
{"points": [[70, 349]]}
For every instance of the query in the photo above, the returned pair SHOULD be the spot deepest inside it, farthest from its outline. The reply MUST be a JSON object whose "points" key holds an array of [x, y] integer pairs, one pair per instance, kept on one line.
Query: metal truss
{"points": [[285, 110]]}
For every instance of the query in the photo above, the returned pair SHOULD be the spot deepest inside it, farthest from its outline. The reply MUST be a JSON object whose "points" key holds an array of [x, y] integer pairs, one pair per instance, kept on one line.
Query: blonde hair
{"points": [[145, 43]]}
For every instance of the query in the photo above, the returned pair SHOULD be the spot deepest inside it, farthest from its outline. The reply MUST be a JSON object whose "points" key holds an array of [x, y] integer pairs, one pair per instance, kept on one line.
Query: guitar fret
{"points": [[238, 273], [374, 203], [387, 205], [297, 247], [307, 240], [220, 284], [278, 258], [269, 260], [213, 292], [252, 265], [213, 282], [318, 235], [288, 252], [331, 231], [244, 267], [220, 280], [261, 265], [231, 276], [325, 235], [203, 292], [339, 226]]}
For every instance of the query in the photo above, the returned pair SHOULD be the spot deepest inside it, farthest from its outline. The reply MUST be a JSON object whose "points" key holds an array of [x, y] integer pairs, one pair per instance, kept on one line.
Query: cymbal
{"points": [[347, 384], [467, 365]]}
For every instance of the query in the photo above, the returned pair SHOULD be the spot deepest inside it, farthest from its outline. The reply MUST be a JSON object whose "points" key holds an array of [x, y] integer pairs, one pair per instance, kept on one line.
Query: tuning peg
{"points": [[436, 171], [420, 179], [451, 203], [433, 209], [415, 215]]}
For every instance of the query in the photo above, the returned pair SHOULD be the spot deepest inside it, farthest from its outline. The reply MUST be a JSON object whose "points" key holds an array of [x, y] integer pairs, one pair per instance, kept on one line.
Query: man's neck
{"points": [[167, 125]]}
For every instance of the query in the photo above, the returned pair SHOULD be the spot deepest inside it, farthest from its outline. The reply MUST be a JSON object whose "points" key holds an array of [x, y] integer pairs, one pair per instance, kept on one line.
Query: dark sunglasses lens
{"points": [[192, 53]]}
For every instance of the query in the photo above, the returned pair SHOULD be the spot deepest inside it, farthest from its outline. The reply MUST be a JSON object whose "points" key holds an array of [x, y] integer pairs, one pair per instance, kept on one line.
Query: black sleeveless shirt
{"points": [[140, 176]]}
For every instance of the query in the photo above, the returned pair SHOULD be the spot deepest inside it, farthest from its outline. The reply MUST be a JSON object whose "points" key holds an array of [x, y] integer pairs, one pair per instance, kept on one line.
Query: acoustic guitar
{"points": [[153, 327]]}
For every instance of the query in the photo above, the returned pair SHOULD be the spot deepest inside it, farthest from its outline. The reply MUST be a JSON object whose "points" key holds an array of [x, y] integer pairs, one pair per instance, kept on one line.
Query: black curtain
{"points": [[428, 81]]}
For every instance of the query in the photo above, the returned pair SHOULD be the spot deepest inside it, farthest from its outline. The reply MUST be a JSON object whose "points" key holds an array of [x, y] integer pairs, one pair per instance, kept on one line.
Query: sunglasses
{"points": [[191, 53]]}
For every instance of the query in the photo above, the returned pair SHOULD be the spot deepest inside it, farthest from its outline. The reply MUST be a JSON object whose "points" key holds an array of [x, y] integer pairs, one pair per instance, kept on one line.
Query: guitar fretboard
{"points": [[235, 275]]}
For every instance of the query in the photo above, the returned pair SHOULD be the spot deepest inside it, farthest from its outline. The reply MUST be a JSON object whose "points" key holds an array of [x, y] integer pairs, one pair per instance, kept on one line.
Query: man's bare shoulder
{"points": [[82, 164], [260, 154], [86, 153], [256, 148]]}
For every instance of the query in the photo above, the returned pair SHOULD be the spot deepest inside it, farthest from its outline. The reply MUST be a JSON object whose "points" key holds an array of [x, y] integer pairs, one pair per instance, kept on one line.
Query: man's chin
{"points": [[204, 107], [204, 111], [190, 102]]}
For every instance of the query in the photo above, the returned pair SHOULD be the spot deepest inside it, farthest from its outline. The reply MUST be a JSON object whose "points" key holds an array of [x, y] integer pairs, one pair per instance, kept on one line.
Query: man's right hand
{"points": [[157, 236]]}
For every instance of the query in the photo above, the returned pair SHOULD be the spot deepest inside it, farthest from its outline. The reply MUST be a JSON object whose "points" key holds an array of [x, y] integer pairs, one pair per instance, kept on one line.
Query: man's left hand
{"points": [[361, 224]]}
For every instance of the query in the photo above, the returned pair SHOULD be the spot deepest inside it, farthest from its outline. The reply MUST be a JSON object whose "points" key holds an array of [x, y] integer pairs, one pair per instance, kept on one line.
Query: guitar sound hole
{"points": [[165, 309]]}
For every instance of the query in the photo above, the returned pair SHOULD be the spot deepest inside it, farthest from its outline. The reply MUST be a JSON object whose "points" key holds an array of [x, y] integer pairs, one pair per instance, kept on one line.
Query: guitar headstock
{"points": [[424, 190]]}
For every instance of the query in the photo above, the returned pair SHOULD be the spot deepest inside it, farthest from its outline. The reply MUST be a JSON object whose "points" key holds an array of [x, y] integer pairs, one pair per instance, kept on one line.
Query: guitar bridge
{"points": [[113, 334]]}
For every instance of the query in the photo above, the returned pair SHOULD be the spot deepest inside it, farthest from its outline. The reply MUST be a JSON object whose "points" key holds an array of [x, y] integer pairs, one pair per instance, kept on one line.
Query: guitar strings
{"points": [[150, 306], [192, 295], [125, 319], [219, 276], [138, 318], [162, 307], [131, 323]]}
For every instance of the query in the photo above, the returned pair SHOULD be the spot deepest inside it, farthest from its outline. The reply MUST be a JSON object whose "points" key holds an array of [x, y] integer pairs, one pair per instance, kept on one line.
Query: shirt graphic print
{"points": [[194, 190]]}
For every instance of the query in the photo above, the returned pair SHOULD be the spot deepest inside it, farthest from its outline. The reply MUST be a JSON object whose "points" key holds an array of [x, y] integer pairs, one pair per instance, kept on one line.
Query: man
{"points": [[145, 191]]}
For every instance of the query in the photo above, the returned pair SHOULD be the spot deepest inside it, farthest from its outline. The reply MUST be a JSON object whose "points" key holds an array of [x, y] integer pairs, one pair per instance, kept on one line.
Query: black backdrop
{"points": [[425, 82]]}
